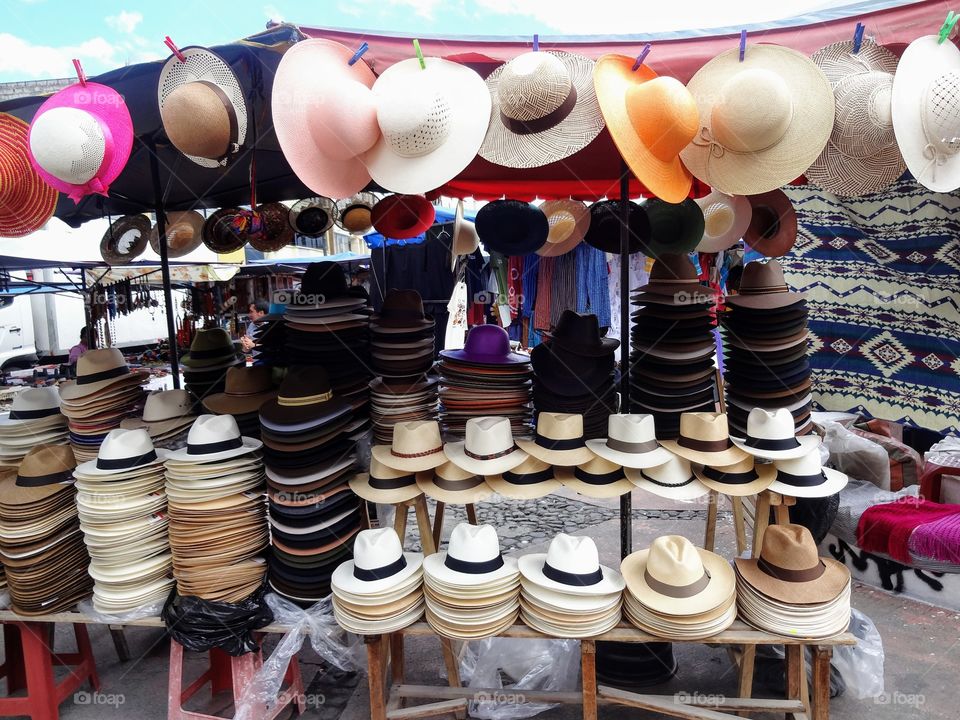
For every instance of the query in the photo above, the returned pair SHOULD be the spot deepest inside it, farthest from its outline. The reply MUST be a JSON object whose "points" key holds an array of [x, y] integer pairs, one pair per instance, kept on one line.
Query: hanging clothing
{"points": [[541, 313], [593, 295], [638, 276], [564, 288]]}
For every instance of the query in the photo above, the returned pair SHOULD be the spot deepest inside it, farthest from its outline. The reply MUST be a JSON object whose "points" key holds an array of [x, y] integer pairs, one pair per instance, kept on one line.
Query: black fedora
{"points": [[512, 227], [604, 231], [579, 333]]}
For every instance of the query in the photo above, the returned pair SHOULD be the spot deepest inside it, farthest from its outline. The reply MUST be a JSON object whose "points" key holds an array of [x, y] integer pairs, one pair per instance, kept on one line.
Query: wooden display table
{"points": [[387, 703]]}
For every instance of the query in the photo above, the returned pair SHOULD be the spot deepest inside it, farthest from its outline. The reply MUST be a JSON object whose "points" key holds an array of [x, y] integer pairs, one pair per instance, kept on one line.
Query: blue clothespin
{"points": [[743, 43], [536, 43], [858, 37], [358, 54], [641, 57]]}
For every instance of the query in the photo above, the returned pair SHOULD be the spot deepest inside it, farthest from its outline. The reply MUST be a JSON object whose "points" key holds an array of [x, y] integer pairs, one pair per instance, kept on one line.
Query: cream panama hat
{"points": [[123, 451], [739, 480], [453, 485], [472, 558], [571, 565], [743, 151], [770, 435], [385, 485], [33, 404], [213, 438], [705, 438], [631, 442], [674, 479], [96, 370], [806, 477], [530, 479], [725, 220], [596, 478], [378, 564], [488, 448], [559, 440], [416, 447], [432, 121], [163, 412]]}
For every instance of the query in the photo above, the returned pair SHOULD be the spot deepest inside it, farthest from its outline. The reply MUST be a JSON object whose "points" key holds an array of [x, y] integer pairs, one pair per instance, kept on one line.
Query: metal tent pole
{"points": [[626, 500]]}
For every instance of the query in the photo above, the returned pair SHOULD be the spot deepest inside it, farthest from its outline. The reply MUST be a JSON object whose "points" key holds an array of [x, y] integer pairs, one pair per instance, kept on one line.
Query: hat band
{"points": [[127, 463], [473, 568], [763, 290], [41, 480], [801, 480], [214, 447], [392, 483], [707, 446], [677, 591], [405, 313], [567, 578], [632, 448], [604, 479], [305, 400], [380, 573], [528, 478], [742, 478], [664, 484], [103, 375], [772, 444], [491, 456], [551, 119], [211, 353], [564, 444], [454, 485], [410, 456], [33, 414], [793, 576]]}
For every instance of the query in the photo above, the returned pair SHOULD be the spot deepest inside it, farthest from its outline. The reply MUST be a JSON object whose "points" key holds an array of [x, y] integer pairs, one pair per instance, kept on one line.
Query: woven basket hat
{"points": [[544, 109], [862, 155], [763, 121], [26, 201]]}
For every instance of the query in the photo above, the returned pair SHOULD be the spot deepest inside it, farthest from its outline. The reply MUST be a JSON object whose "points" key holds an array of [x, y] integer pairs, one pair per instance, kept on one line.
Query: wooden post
{"points": [[472, 514], [438, 523], [710, 536], [588, 668], [375, 660], [738, 524], [821, 683]]}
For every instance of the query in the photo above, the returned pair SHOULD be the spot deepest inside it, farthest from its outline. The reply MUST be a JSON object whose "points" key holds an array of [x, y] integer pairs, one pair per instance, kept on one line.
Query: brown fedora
{"points": [[773, 226], [245, 390], [763, 287], [402, 311]]}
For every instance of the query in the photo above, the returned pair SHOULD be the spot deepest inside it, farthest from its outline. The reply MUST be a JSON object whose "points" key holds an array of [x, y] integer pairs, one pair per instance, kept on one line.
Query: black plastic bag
{"points": [[200, 625]]}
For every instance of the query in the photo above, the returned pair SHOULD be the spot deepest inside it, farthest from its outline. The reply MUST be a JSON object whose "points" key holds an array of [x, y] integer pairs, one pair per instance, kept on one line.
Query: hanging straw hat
{"points": [[276, 231], [773, 224], [925, 100], [184, 233], [202, 107], [125, 239], [354, 214], [312, 217], [81, 138], [725, 220], [324, 141], [26, 201], [544, 109], [465, 238], [862, 156], [569, 221], [432, 121], [651, 119], [402, 216], [741, 151]]}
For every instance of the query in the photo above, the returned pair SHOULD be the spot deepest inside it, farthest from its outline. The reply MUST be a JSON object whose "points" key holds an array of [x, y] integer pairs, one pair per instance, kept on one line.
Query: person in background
{"points": [[258, 308], [81, 347]]}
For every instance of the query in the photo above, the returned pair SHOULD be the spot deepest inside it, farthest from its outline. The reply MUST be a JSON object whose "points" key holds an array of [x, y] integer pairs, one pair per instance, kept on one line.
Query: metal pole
{"points": [[86, 305], [164, 264], [626, 500]]}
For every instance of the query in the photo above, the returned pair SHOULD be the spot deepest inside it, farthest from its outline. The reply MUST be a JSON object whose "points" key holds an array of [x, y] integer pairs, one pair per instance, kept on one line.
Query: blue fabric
{"points": [[593, 296]]}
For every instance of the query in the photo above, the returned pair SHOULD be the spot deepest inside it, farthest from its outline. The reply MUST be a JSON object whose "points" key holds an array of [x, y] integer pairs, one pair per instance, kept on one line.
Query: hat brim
{"points": [[765, 301], [72, 390], [531, 568], [344, 579], [90, 469], [806, 443], [518, 491], [226, 404], [433, 566], [416, 464], [457, 454], [688, 491], [721, 586], [658, 456], [742, 212], [360, 484], [467, 496], [834, 482], [576, 456], [827, 587], [715, 459], [765, 474]]}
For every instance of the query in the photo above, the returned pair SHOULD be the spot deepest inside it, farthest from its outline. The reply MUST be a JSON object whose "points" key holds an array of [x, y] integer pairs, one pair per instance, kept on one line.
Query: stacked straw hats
{"points": [[454, 486], [471, 590], [566, 592], [212, 352], [41, 545], [381, 589], [244, 391], [485, 378], [790, 590], [574, 372], [105, 392], [671, 363], [678, 591], [167, 416], [765, 341], [488, 448], [309, 456], [673, 479], [122, 507], [34, 418], [217, 511]]}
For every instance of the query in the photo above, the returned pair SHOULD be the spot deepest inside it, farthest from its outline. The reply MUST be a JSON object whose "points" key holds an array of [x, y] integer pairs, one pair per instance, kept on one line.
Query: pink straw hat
{"points": [[81, 138]]}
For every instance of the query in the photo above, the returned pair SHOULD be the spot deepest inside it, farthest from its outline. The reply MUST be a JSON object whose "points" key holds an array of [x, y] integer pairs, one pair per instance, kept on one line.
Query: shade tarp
{"points": [[152, 273]]}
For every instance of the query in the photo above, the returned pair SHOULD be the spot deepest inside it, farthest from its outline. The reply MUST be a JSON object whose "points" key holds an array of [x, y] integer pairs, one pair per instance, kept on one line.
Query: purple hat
{"points": [[486, 345]]}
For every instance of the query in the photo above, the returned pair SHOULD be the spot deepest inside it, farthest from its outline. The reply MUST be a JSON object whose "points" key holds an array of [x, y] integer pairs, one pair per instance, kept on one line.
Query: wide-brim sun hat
{"points": [[738, 480], [772, 231], [651, 119], [569, 221], [725, 220], [815, 482], [355, 213], [512, 227], [606, 226], [275, 232], [434, 566], [312, 217], [742, 152], [125, 239], [532, 566], [184, 233], [229, 229], [403, 216], [432, 122], [465, 239], [26, 201]]}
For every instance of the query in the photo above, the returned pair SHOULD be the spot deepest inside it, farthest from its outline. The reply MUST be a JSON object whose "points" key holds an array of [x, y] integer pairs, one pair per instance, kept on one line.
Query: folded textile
{"points": [[887, 528], [938, 540]]}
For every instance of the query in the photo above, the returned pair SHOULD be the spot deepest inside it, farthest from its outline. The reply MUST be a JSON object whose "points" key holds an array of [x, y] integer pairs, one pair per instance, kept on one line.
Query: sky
{"points": [[38, 38]]}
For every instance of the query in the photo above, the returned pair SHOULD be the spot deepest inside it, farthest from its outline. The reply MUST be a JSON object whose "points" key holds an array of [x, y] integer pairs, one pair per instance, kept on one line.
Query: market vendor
{"points": [[81, 347], [257, 309]]}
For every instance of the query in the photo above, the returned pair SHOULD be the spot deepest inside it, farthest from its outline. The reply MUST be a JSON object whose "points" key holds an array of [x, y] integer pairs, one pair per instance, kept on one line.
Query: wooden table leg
{"points": [[472, 514], [400, 511], [423, 525], [438, 523], [748, 657], [795, 674], [375, 659], [761, 519], [588, 670], [396, 669], [738, 524], [821, 683], [710, 536]]}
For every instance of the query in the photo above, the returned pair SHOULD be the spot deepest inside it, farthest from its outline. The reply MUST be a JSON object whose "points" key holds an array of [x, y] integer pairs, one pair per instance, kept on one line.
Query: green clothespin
{"points": [[948, 25], [416, 46]]}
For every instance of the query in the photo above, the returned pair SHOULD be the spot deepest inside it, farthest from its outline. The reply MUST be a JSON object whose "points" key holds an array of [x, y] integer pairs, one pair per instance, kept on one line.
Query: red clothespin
{"points": [[81, 75], [641, 57], [743, 43], [174, 49]]}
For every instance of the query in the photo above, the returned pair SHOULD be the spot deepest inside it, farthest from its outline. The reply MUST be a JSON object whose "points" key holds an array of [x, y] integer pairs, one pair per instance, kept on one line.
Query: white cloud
{"points": [[125, 21], [21, 58], [421, 8], [273, 13]]}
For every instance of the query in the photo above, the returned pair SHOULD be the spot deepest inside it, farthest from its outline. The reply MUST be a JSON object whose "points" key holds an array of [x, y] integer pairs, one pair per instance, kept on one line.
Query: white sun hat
{"points": [[631, 442], [805, 477], [212, 438], [123, 451], [378, 564], [571, 565], [472, 558], [770, 435]]}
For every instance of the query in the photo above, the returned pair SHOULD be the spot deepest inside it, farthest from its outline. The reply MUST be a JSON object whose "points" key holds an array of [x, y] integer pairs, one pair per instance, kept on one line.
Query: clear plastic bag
{"points": [[856, 456], [502, 668], [337, 647], [151, 610], [861, 665]]}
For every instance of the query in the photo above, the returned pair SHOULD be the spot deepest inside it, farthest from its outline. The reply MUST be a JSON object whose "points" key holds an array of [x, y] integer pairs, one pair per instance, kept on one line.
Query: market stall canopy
{"points": [[185, 273]]}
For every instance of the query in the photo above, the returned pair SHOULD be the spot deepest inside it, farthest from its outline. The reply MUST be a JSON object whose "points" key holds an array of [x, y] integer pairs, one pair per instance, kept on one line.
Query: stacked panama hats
{"points": [[105, 392], [766, 349], [245, 390], [309, 456], [673, 479], [574, 372], [678, 591], [218, 516], [790, 590], [485, 378], [488, 450], [212, 352], [401, 353], [122, 507], [453, 485], [41, 545], [566, 592], [471, 590], [34, 418], [167, 416], [381, 589], [671, 363]]}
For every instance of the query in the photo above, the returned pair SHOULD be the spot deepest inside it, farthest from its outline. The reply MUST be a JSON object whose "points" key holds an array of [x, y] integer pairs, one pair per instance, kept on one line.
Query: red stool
{"points": [[29, 659], [228, 673]]}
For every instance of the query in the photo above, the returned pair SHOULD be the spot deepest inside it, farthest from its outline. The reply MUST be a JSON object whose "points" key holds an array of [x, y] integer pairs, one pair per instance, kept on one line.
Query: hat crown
{"points": [[575, 555], [305, 385], [341, 135], [735, 122], [95, 361], [418, 436], [770, 424], [208, 429], [376, 548], [47, 460], [533, 85], [599, 466], [663, 114], [583, 328], [325, 280], [68, 143], [762, 278], [197, 118], [120, 444], [473, 543], [704, 426], [674, 471], [805, 465], [674, 560], [167, 405], [248, 380], [941, 113], [671, 267], [864, 118], [41, 398], [415, 116], [487, 340], [403, 303], [559, 426], [634, 428], [211, 339], [488, 435], [791, 547]]}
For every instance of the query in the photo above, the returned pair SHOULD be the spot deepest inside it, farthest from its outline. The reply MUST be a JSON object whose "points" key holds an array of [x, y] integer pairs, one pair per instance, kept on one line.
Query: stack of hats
{"points": [[704, 441], [402, 352], [41, 545], [34, 418], [765, 342], [122, 507], [488, 448], [245, 390], [381, 589], [574, 372], [790, 590], [212, 352], [308, 456], [672, 345], [566, 592], [270, 336], [218, 517], [471, 590], [677, 591], [167, 416], [485, 378], [453, 485], [396, 469], [105, 392]]}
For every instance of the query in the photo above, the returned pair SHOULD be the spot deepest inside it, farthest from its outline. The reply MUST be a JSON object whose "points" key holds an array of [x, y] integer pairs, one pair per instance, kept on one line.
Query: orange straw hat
{"points": [[26, 201], [651, 119]]}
